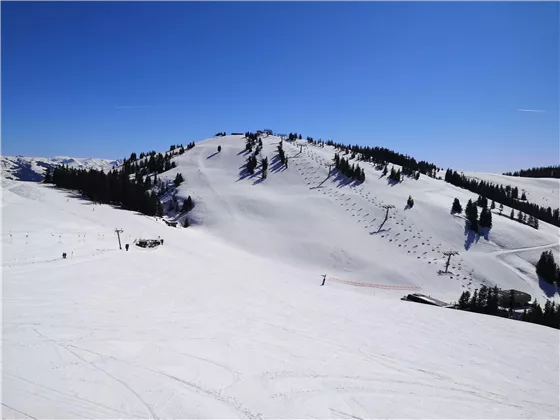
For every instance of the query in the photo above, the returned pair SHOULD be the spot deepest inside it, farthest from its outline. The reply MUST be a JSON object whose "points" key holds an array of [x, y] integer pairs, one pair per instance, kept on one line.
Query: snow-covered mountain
{"points": [[228, 318], [33, 168]]}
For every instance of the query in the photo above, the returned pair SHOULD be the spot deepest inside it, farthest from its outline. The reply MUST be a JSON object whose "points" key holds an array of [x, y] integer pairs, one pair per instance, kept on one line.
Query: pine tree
{"points": [[493, 205], [523, 196], [178, 179], [187, 204], [546, 267], [385, 170], [473, 303], [456, 207], [501, 208], [464, 300], [395, 175], [159, 209], [48, 176], [511, 215], [485, 218], [520, 216], [410, 202], [471, 212], [483, 299], [264, 168]]}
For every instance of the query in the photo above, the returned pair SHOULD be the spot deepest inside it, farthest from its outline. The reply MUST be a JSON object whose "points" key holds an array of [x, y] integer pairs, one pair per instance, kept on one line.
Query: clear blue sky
{"points": [[441, 81]]}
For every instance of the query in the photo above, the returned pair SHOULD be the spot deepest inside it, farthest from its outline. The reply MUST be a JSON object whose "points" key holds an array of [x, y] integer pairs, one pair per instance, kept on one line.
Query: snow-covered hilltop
{"points": [[33, 168], [303, 215], [228, 319]]}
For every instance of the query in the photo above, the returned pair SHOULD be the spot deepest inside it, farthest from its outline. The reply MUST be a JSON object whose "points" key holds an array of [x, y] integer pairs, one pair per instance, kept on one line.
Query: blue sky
{"points": [[441, 81]]}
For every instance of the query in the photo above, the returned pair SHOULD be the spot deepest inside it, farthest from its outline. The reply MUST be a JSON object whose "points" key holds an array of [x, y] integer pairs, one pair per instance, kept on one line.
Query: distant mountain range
{"points": [[33, 168]]}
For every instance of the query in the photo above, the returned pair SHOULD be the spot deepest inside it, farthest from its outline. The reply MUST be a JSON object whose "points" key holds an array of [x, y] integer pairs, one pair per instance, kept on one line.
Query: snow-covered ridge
{"points": [[24, 168]]}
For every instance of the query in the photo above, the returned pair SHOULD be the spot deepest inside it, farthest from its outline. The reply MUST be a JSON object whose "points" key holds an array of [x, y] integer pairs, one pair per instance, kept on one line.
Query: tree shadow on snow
{"points": [[392, 182], [82, 197], [212, 155], [485, 232], [546, 287], [276, 165], [343, 181], [243, 152], [244, 173], [321, 183], [470, 236]]}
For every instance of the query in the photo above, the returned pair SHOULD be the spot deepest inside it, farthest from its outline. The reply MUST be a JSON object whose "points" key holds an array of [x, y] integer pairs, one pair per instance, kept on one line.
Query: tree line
{"points": [[493, 301], [351, 171], [282, 155], [130, 186], [505, 195], [115, 187], [540, 172], [381, 155]]}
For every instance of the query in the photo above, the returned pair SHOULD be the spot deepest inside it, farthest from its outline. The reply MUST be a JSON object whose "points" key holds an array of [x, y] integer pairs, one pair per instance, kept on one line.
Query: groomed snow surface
{"points": [[228, 319]]}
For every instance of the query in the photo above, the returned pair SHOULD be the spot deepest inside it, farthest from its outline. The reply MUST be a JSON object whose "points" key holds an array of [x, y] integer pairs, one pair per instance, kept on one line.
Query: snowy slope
{"points": [[33, 168], [302, 216], [542, 191], [211, 326]]}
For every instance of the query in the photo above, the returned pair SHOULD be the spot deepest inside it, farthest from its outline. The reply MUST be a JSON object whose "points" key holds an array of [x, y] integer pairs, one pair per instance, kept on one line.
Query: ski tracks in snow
{"points": [[199, 388]]}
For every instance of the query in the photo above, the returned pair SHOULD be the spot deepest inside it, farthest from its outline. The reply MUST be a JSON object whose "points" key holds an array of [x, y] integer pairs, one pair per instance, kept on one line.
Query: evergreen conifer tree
{"points": [[456, 207], [464, 300], [485, 218], [471, 212], [48, 176], [410, 202]]}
